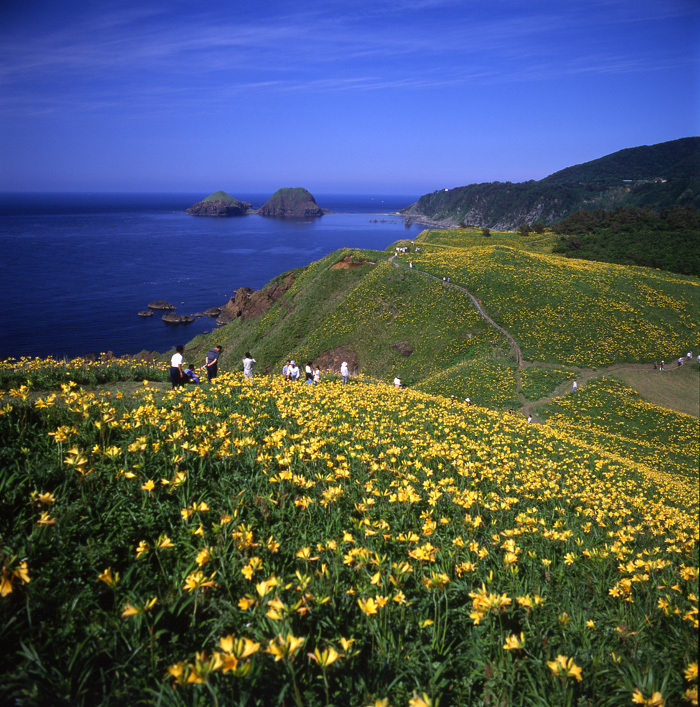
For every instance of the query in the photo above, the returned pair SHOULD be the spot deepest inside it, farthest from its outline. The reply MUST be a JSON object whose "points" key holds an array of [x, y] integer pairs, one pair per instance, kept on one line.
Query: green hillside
{"points": [[559, 311], [657, 176]]}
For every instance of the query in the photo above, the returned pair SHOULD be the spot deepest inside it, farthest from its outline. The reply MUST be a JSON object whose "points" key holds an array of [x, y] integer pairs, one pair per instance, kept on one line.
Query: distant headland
{"points": [[290, 201]]}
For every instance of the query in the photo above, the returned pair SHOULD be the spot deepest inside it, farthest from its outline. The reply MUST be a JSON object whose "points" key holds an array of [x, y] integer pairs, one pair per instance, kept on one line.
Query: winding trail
{"points": [[477, 305], [583, 375]]}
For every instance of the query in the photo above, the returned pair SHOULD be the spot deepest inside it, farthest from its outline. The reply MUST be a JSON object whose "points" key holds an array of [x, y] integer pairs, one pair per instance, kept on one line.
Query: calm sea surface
{"points": [[76, 268]]}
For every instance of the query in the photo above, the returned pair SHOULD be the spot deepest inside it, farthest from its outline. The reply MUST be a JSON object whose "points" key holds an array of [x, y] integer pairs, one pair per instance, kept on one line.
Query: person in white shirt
{"points": [[248, 363], [397, 382], [344, 371], [177, 375], [294, 372]]}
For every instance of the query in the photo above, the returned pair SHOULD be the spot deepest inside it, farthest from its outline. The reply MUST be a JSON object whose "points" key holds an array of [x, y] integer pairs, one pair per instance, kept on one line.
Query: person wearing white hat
{"points": [[344, 372]]}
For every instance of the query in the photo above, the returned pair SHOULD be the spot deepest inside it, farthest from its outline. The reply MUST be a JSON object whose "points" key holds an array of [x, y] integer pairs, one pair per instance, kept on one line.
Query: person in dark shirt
{"points": [[191, 374], [212, 361]]}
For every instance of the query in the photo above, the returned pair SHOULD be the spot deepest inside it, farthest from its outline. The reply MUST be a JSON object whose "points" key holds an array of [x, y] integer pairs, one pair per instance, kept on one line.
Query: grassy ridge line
{"points": [[394, 496], [371, 310]]}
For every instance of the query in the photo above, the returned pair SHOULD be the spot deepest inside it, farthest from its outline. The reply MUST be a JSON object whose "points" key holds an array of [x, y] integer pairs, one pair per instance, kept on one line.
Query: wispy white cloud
{"points": [[140, 54]]}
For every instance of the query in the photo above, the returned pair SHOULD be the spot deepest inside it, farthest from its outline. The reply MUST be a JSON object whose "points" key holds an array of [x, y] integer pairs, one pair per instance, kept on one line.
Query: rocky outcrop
{"points": [[219, 204], [295, 201], [249, 304], [173, 318], [162, 305]]}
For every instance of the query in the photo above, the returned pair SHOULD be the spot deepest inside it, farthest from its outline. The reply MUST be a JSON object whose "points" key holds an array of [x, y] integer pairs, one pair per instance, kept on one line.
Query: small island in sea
{"points": [[295, 201], [219, 204], [289, 201]]}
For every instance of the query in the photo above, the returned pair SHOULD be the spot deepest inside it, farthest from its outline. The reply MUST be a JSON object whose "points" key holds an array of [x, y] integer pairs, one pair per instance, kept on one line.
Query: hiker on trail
{"points": [[344, 371], [285, 370], [656, 365], [248, 363], [574, 386], [690, 355], [468, 402], [212, 361], [680, 361], [177, 375], [661, 367], [410, 265], [529, 419]]}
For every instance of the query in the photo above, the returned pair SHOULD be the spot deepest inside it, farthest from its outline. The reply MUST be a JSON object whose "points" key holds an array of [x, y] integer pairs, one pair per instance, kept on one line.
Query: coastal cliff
{"points": [[658, 176]]}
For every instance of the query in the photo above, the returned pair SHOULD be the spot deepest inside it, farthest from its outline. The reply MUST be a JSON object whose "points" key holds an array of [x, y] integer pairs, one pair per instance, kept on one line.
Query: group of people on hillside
{"points": [[181, 375], [312, 374]]}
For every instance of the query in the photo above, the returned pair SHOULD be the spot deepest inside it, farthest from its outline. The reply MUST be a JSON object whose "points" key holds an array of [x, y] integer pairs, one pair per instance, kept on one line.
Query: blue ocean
{"points": [[77, 268]]}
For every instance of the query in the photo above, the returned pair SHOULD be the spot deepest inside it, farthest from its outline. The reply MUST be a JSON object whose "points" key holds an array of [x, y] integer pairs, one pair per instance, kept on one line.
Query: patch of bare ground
{"points": [[331, 360], [676, 388], [349, 262]]}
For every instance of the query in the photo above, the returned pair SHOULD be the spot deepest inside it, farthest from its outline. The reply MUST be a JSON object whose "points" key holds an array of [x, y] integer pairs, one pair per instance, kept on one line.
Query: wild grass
{"points": [[539, 382]]}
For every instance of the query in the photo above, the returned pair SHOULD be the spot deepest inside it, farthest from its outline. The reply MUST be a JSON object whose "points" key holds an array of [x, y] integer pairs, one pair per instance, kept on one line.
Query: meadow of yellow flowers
{"points": [[274, 543]]}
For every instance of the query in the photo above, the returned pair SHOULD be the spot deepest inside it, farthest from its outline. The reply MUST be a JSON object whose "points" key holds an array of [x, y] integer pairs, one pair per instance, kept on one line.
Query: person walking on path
{"points": [[211, 362], [248, 363], [177, 375], [574, 387], [344, 372]]}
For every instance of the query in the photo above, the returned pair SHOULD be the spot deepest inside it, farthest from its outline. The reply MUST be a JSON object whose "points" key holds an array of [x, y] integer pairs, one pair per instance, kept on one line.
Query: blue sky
{"points": [[401, 96]]}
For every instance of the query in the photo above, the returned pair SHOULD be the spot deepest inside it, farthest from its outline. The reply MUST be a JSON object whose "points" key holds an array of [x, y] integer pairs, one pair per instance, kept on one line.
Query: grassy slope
{"points": [[574, 312], [560, 311], [610, 415]]}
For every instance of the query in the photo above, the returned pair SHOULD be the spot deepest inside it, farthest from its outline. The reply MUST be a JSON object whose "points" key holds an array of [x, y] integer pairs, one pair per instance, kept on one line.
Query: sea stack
{"points": [[219, 204], [295, 201]]}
